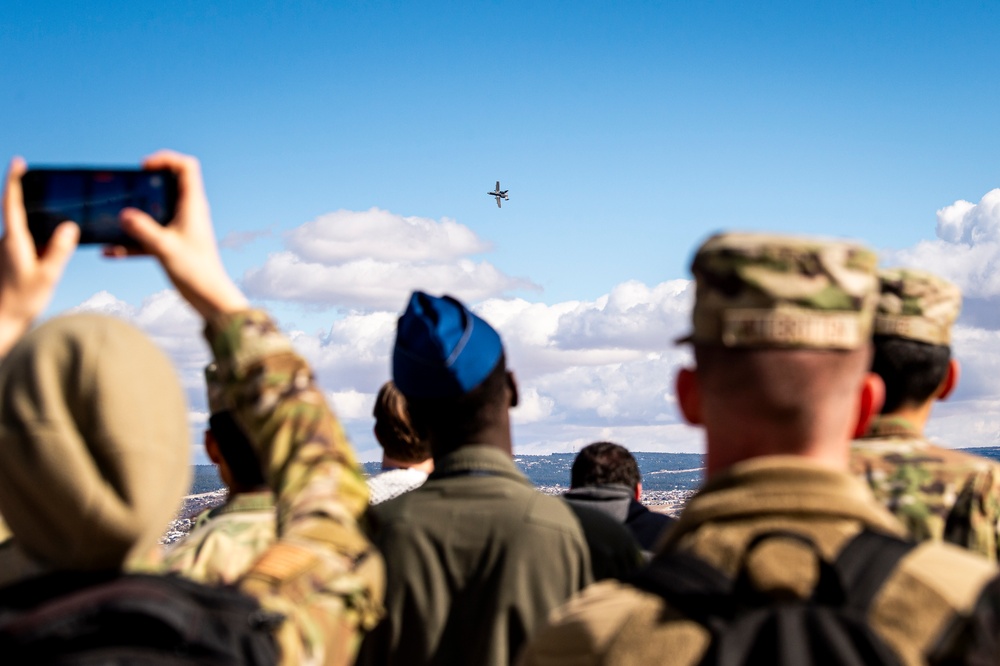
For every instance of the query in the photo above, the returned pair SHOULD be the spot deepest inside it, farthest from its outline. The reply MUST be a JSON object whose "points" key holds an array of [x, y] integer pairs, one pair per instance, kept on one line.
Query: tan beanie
{"points": [[94, 443]]}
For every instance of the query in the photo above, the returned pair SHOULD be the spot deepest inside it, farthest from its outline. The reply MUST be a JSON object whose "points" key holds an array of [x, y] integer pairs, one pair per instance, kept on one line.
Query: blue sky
{"points": [[626, 132]]}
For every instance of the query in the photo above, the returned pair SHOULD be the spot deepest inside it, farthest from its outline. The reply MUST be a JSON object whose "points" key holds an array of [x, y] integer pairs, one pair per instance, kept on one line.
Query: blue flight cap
{"points": [[442, 349]]}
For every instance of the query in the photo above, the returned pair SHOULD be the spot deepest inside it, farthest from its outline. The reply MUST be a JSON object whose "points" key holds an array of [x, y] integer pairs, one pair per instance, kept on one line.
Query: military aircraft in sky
{"points": [[499, 194]]}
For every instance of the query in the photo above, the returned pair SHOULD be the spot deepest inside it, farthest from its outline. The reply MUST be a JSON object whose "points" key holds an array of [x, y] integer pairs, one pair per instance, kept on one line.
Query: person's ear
{"points": [[950, 380], [689, 395], [870, 401], [638, 491], [512, 387], [212, 448]]}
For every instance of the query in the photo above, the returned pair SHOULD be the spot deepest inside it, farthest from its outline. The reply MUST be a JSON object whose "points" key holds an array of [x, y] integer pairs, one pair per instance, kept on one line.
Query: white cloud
{"points": [[351, 405], [237, 240], [587, 370], [345, 235], [374, 259], [967, 247]]}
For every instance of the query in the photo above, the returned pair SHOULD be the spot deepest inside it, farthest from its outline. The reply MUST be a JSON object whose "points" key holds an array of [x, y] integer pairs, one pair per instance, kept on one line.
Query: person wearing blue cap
{"points": [[476, 557]]}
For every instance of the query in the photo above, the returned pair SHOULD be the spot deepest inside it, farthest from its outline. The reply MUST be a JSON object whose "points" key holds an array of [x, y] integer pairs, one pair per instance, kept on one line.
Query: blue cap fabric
{"points": [[442, 349]]}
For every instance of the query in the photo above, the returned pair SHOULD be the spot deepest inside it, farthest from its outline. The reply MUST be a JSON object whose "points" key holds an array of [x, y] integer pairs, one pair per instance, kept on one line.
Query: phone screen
{"points": [[93, 198]]}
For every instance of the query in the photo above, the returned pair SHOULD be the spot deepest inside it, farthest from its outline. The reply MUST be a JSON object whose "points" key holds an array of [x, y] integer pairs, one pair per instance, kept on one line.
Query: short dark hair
{"points": [[911, 370], [448, 423], [603, 463], [393, 429], [236, 450]]}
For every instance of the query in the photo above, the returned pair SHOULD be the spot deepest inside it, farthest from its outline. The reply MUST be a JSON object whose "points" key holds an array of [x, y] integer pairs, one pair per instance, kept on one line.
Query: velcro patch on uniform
{"points": [[283, 561], [792, 328], [911, 327]]}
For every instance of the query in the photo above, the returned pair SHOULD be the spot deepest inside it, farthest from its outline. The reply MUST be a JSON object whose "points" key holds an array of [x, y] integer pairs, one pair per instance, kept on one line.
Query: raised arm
{"points": [[322, 574], [27, 279]]}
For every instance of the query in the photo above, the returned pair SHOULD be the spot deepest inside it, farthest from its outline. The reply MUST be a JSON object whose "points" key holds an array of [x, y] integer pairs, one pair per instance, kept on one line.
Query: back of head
{"points": [[231, 441], [449, 364], [605, 463], [95, 454], [913, 322], [781, 329], [393, 429]]}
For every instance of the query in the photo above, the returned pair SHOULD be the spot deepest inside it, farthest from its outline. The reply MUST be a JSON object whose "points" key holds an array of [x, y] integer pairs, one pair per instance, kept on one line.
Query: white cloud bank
{"points": [[587, 370], [374, 259]]}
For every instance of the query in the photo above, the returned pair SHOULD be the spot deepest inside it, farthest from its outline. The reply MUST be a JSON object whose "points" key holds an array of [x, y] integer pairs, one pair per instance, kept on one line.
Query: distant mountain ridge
{"points": [[660, 471]]}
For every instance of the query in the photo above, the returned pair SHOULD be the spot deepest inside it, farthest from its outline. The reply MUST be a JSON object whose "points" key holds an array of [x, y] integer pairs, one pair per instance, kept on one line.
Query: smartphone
{"points": [[93, 198]]}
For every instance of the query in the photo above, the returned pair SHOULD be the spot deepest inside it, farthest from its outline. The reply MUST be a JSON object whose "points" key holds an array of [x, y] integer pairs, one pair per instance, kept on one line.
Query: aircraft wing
{"points": [[498, 186], [498, 203]]}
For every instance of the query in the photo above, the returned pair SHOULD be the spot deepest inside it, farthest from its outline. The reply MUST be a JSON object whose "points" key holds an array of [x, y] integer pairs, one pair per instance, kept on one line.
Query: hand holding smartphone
{"points": [[93, 198]]}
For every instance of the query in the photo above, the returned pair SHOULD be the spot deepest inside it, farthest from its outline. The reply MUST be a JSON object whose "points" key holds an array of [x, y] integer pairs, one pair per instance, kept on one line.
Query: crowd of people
{"points": [[828, 529]]}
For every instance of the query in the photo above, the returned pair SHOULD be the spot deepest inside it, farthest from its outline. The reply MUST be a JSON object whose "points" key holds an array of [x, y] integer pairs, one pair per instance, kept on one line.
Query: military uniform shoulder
{"points": [[582, 630], [914, 450], [955, 575]]}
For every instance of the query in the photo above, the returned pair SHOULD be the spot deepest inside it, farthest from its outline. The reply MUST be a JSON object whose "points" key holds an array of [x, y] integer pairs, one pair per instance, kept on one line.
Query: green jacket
{"points": [[475, 559], [937, 493]]}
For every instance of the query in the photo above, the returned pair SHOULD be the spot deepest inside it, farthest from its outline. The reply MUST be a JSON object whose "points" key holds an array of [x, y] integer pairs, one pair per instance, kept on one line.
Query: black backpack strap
{"points": [[688, 583], [866, 563]]}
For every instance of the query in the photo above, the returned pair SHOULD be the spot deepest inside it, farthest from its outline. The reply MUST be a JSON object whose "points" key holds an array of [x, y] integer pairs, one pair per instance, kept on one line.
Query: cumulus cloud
{"points": [[587, 369], [967, 247], [373, 259], [237, 240], [173, 325]]}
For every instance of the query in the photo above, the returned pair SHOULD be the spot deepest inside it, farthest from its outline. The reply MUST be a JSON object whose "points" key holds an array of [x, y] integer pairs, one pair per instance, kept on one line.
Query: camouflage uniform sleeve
{"points": [[975, 520], [322, 573]]}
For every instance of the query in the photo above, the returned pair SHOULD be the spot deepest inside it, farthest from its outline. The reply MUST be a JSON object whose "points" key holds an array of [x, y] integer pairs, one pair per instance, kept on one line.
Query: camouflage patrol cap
{"points": [[916, 305], [763, 290], [217, 401]]}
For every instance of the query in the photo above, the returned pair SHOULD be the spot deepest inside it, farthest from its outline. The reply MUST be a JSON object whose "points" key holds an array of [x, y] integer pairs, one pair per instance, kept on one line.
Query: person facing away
{"points": [[406, 457], [94, 427], [936, 492], [226, 540], [476, 557], [605, 476], [781, 341]]}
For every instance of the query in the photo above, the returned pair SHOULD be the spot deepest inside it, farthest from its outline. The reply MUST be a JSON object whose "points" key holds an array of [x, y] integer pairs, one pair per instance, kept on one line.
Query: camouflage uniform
{"points": [[756, 291], [322, 573], [226, 540], [937, 493]]}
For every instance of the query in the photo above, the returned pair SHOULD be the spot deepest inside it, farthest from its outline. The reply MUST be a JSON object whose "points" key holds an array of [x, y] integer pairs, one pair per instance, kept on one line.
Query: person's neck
{"points": [[388, 462], [915, 415], [722, 452], [498, 437]]}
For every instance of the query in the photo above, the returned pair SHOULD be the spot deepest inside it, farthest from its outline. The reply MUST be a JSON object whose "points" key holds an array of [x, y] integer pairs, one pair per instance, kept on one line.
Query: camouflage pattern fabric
{"points": [[322, 573], [937, 493], [760, 290], [214, 389], [916, 305], [226, 540]]}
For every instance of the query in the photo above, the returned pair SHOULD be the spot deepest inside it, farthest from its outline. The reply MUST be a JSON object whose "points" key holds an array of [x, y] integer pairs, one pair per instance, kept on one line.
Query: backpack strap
{"points": [[866, 563], [688, 583]]}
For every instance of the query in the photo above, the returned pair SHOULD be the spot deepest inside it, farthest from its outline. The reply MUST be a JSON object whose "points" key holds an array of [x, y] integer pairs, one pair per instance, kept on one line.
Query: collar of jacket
{"points": [[261, 500], [614, 499], [476, 459], [892, 426], [782, 485]]}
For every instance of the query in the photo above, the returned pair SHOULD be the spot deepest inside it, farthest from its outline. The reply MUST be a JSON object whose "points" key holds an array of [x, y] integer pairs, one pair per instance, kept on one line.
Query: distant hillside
{"points": [[205, 479], [660, 471]]}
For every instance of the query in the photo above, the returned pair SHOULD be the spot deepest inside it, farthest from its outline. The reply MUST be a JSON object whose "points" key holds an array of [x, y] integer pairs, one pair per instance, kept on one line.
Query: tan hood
{"points": [[94, 443]]}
